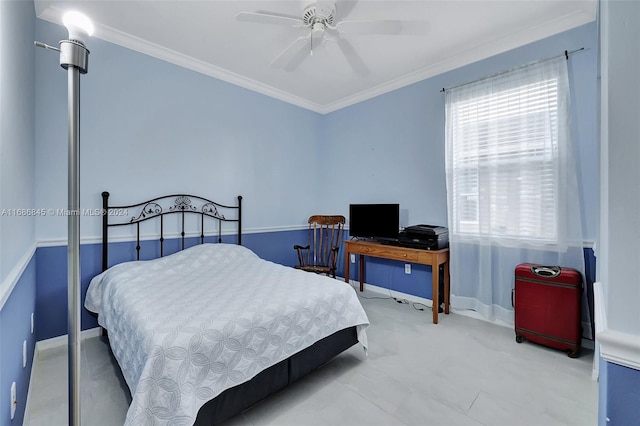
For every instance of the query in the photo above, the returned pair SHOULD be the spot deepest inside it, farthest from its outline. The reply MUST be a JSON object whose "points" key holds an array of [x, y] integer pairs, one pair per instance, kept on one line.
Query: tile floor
{"points": [[460, 372]]}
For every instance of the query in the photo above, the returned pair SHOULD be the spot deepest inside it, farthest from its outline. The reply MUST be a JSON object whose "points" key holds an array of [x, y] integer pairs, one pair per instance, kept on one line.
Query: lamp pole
{"points": [[74, 58]]}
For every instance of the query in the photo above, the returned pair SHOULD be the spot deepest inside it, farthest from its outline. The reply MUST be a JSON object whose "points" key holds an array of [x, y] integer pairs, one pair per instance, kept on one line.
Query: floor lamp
{"points": [[74, 58]]}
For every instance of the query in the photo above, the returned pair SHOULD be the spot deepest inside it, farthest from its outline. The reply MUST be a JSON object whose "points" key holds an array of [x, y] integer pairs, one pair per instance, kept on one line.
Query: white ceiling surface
{"points": [[205, 36]]}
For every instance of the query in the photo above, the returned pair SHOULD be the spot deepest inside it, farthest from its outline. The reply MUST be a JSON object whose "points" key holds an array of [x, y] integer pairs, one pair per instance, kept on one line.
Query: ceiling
{"points": [[206, 36]]}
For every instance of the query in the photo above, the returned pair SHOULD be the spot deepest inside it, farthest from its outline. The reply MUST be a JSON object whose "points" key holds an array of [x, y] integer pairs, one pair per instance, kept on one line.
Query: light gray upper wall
{"points": [[17, 52], [621, 172], [151, 128], [391, 148]]}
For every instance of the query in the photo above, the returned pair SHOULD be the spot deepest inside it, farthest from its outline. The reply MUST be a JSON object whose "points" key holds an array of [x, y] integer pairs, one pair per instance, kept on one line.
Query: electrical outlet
{"points": [[353, 258], [24, 354], [31, 322], [407, 268], [14, 400]]}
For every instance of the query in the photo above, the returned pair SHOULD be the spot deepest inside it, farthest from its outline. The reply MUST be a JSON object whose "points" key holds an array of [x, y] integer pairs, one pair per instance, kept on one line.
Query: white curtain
{"points": [[512, 192]]}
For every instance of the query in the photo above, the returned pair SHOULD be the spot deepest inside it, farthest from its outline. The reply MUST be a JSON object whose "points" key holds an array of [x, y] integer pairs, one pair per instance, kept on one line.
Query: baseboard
{"points": [[398, 294], [55, 342], [427, 302], [586, 343]]}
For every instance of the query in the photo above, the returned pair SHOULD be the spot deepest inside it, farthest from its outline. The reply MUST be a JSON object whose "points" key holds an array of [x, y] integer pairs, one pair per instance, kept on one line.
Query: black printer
{"points": [[428, 237]]}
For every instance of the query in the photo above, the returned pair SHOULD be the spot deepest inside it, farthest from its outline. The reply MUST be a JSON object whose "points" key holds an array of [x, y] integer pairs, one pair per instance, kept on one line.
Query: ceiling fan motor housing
{"points": [[321, 12]]}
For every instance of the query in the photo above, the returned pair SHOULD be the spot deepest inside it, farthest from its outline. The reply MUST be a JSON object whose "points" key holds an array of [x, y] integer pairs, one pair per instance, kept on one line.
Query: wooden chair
{"points": [[320, 255]]}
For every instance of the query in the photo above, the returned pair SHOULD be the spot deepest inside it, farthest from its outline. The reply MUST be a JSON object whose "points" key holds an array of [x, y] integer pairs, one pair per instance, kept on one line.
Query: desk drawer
{"points": [[389, 252]]}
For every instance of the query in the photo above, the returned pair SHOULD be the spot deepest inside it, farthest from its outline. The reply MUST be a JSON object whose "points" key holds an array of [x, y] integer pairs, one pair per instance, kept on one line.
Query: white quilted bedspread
{"points": [[188, 326]]}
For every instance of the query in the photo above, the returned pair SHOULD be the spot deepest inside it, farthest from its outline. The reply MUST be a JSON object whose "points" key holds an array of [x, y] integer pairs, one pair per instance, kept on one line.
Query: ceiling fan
{"points": [[321, 18]]}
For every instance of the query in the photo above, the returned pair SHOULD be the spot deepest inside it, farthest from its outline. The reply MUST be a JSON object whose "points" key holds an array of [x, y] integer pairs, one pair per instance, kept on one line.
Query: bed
{"points": [[203, 333]]}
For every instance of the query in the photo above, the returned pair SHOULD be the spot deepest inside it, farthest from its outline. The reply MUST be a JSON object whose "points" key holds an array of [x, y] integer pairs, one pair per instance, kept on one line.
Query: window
{"points": [[503, 156], [512, 188]]}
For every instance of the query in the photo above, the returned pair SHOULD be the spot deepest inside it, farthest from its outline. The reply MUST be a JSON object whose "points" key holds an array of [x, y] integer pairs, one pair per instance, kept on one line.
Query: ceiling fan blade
{"points": [[344, 8], [352, 57], [369, 27], [293, 55], [383, 27], [269, 18], [414, 28]]}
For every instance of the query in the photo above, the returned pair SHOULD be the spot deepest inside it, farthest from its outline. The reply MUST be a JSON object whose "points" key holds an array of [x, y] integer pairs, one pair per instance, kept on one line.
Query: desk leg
{"points": [[346, 266], [435, 284], [361, 272], [447, 289]]}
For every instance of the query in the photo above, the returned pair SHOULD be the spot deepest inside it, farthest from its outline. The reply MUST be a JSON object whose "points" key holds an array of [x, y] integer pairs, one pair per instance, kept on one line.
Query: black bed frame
{"points": [[234, 400], [159, 207]]}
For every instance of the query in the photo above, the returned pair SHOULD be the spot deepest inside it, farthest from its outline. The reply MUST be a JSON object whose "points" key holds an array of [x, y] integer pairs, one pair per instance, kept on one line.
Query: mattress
{"points": [[185, 327]]}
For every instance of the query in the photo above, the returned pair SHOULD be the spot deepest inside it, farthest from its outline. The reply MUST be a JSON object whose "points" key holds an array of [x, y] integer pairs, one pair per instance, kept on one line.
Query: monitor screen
{"points": [[376, 221]]}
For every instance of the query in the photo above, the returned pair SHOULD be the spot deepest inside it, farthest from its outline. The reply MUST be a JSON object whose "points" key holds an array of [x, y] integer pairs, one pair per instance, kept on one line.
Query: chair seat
{"points": [[315, 268]]}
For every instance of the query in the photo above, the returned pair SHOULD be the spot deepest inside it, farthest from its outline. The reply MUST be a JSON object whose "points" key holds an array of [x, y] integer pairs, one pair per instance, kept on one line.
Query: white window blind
{"points": [[502, 143]]}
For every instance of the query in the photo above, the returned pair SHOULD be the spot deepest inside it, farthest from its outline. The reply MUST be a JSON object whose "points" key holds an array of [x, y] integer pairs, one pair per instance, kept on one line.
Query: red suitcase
{"points": [[547, 306]]}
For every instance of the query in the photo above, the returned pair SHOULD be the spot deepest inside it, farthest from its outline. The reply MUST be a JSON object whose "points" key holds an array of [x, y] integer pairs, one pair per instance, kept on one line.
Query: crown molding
{"points": [[469, 56], [473, 54], [53, 14]]}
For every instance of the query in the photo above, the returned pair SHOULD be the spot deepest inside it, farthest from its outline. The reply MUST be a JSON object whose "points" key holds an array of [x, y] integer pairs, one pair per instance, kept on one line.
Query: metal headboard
{"points": [[158, 208]]}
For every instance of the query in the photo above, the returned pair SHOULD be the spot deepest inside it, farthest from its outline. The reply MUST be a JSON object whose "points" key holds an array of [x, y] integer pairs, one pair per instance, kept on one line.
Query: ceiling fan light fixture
{"points": [[317, 30]]}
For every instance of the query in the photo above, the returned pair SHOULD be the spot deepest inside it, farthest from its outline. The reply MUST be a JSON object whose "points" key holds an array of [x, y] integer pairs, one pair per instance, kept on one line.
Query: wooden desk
{"points": [[434, 258]]}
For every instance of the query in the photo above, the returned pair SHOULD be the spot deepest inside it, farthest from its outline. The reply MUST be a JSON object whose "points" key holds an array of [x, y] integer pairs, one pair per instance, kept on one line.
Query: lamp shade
{"points": [[78, 24]]}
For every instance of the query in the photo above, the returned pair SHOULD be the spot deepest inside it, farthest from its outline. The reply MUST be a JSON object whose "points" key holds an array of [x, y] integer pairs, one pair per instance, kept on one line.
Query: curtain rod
{"points": [[565, 54]]}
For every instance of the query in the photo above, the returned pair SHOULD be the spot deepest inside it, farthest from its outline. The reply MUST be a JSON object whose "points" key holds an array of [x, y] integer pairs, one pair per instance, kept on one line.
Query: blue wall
{"points": [[51, 271], [51, 288], [622, 396], [15, 327]]}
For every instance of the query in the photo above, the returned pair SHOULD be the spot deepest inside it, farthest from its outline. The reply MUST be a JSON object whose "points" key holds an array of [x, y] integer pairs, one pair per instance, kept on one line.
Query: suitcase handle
{"points": [[546, 271]]}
